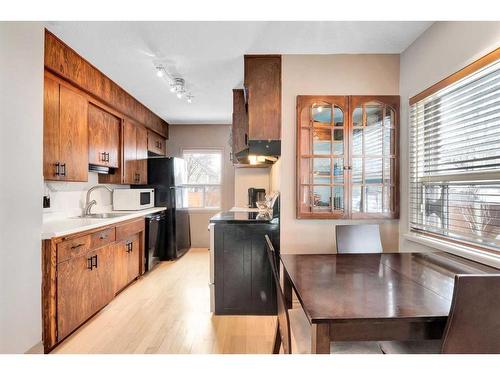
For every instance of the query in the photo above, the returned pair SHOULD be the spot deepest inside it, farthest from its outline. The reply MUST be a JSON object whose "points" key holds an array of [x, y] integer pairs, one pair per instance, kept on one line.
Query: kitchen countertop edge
{"points": [[68, 226]]}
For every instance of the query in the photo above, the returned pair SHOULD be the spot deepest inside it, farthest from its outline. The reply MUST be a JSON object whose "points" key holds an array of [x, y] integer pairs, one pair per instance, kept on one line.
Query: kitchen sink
{"points": [[105, 215]]}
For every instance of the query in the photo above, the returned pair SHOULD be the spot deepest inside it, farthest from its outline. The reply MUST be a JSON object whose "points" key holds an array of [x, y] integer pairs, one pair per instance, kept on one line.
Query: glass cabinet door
{"points": [[320, 165], [373, 156]]}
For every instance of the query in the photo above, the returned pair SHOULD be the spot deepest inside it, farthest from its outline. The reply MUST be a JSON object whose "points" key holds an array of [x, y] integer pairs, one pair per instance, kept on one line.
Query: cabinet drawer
{"points": [[73, 248], [102, 238], [126, 230]]}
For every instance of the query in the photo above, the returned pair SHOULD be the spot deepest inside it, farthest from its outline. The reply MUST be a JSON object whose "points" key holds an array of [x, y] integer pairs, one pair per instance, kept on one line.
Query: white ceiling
{"points": [[209, 55]]}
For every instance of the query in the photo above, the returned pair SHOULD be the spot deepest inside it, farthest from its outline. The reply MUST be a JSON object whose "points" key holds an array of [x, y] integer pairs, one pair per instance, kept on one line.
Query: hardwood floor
{"points": [[168, 311]]}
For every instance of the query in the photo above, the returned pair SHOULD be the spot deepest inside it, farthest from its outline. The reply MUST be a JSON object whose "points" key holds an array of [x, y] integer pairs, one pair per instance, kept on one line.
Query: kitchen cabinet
{"points": [[126, 262], [263, 84], [347, 157], [65, 137], [84, 286], [104, 137], [156, 144], [62, 60], [244, 283], [135, 153], [82, 272], [257, 110], [240, 123]]}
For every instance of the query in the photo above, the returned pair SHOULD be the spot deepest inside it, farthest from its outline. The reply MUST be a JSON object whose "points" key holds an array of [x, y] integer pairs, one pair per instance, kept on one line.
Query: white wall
{"points": [[441, 50], [205, 136], [21, 124], [245, 178], [325, 75]]}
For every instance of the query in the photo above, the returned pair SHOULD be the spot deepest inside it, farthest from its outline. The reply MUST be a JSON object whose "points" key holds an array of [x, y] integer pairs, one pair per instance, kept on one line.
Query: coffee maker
{"points": [[255, 195]]}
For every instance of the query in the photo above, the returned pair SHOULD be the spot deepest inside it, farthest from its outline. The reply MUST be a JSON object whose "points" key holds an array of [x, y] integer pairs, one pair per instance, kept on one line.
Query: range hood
{"points": [[266, 151], [101, 169]]}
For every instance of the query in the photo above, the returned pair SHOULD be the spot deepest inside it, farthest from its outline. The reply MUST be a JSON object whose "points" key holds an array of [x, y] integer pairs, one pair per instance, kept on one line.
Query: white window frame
{"points": [[480, 253], [207, 150]]}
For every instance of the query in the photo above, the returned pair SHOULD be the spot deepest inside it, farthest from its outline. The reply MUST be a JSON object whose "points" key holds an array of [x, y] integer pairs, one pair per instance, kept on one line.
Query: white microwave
{"points": [[133, 199]]}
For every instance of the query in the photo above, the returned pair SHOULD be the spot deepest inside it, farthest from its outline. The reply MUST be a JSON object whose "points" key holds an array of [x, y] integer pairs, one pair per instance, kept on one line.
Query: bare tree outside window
{"points": [[203, 186]]}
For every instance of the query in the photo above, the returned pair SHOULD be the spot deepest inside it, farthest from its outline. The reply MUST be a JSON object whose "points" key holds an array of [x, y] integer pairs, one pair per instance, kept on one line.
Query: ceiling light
{"points": [[179, 94], [189, 98], [172, 88]]}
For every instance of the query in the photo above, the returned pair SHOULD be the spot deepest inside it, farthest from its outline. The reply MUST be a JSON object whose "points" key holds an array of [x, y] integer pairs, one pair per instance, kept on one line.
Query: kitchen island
{"points": [[241, 278]]}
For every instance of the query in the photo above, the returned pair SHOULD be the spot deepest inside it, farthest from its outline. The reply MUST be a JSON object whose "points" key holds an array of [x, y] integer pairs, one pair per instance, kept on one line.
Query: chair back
{"points": [[283, 318], [473, 324], [352, 239]]}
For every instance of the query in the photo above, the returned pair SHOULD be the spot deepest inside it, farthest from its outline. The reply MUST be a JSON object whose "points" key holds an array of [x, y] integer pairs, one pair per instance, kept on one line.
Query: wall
{"points": [[441, 50], [245, 178], [67, 199], [204, 136], [325, 75], [21, 124]]}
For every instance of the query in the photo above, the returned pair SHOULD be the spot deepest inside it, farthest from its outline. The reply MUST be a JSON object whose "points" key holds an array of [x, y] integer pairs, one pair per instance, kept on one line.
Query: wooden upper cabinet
{"points": [[135, 153], [156, 144], [347, 157], [263, 84], [65, 133], [129, 152], [240, 122], [104, 137], [142, 155], [62, 60]]}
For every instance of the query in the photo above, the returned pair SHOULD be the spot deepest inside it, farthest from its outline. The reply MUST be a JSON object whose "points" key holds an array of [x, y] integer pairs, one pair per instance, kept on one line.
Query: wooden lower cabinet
{"points": [[127, 260], [84, 286], [83, 272]]}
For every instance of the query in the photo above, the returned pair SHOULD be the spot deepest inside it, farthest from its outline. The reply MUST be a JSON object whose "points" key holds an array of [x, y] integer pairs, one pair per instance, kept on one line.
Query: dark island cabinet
{"points": [[243, 278]]}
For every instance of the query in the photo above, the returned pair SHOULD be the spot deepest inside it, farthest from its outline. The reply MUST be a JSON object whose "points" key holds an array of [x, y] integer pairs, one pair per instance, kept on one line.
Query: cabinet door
{"points": [[243, 279], [263, 82], [142, 155], [133, 261], [73, 142], [121, 266], [374, 156], [74, 294], [129, 153], [156, 143], [104, 137], [240, 123], [101, 281], [50, 129]]}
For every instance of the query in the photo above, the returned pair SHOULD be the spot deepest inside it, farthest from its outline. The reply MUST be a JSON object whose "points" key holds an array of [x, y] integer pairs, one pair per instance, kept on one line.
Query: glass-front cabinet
{"points": [[347, 157]]}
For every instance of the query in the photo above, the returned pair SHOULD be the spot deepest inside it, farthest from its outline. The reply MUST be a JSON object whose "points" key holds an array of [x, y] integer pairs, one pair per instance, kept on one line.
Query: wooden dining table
{"points": [[374, 297]]}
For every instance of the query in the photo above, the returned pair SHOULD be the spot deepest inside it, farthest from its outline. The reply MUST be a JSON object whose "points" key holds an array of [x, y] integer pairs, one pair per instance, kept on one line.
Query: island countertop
{"points": [[231, 217]]}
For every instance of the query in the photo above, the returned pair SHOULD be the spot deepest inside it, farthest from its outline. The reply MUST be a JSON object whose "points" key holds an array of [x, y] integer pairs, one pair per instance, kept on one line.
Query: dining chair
{"points": [[472, 327], [293, 329], [352, 239]]}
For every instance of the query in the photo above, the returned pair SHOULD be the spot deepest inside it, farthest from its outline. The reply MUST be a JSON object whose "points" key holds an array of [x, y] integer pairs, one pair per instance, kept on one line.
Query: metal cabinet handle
{"points": [[94, 261], [77, 246], [63, 167], [90, 263], [107, 156], [57, 165], [129, 247]]}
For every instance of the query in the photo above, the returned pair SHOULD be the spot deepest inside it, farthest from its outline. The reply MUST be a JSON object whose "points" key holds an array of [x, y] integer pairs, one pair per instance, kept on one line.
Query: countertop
{"points": [[67, 226], [232, 217]]}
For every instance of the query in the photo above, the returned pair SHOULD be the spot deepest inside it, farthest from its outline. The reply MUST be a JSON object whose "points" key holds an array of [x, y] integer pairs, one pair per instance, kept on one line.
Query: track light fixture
{"points": [[177, 84]]}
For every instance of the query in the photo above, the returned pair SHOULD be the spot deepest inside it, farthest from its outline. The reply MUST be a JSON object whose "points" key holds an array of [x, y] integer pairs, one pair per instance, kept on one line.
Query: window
{"points": [[455, 160], [347, 157], [203, 179]]}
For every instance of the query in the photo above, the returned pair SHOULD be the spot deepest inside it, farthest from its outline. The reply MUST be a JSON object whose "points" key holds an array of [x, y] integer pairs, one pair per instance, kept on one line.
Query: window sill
{"points": [[203, 210], [456, 249]]}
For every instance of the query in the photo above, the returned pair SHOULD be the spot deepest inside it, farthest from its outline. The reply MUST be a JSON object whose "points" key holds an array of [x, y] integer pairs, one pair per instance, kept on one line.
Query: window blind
{"points": [[455, 160]]}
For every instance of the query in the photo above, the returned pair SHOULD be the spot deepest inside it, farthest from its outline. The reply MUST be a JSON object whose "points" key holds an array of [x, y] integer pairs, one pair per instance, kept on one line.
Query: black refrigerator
{"points": [[167, 175]]}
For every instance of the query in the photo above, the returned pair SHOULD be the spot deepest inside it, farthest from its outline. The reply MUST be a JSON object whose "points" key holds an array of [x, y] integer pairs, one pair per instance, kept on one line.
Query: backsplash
{"points": [[67, 199]]}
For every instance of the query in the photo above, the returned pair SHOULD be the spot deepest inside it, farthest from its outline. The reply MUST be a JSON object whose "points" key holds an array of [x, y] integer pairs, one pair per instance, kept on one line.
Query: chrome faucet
{"points": [[88, 205]]}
